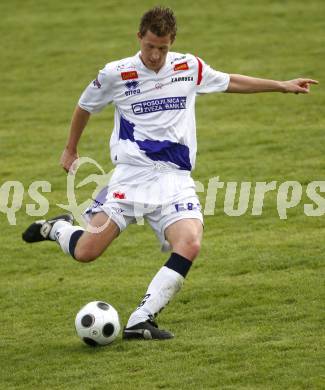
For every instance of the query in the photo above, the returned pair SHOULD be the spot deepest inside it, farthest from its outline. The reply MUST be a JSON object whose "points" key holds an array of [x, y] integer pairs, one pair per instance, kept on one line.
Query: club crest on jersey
{"points": [[129, 75], [182, 66], [132, 86]]}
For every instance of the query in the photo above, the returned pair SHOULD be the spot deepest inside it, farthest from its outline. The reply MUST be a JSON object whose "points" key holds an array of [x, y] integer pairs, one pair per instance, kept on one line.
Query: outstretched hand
{"points": [[298, 85]]}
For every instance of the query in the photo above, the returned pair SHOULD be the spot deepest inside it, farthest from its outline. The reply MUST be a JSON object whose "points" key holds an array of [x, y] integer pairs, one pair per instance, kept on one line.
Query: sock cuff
{"points": [[179, 264], [73, 241]]}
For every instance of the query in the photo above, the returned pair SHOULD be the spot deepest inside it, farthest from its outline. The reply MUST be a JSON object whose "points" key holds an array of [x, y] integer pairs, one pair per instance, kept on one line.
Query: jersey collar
{"points": [[144, 68]]}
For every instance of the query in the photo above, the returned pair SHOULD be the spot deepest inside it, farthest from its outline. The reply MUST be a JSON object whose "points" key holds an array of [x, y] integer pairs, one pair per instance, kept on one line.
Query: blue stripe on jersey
{"points": [[126, 130], [167, 151]]}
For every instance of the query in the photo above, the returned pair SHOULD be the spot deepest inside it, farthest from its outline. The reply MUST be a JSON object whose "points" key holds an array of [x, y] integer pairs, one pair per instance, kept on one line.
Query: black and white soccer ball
{"points": [[97, 323]]}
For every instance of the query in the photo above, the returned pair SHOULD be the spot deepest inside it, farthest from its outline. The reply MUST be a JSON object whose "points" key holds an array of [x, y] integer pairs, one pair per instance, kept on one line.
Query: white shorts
{"points": [[156, 195]]}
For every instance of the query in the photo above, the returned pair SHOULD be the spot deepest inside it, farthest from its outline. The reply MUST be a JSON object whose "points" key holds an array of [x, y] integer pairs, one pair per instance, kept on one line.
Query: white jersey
{"points": [[154, 112]]}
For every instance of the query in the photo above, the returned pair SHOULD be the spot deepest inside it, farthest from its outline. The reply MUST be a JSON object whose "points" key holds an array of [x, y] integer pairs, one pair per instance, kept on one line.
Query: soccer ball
{"points": [[97, 323]]}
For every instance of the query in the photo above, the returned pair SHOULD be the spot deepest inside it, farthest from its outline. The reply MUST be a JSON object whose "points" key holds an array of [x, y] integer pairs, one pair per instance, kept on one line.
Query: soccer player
{"points": [[153, 147]]}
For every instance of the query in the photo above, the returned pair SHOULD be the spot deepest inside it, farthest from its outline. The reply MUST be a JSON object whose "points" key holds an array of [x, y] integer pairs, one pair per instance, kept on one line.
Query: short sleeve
{"points": [[210, 80], [98, 94]]}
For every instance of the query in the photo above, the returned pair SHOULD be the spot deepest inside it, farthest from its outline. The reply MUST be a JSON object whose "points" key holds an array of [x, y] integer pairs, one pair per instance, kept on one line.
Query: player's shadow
{"points": [[77, 347]]}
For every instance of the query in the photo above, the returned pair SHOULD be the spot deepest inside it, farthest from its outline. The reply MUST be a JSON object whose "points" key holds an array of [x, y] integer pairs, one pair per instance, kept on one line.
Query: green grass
{"points": [[250, 315]]}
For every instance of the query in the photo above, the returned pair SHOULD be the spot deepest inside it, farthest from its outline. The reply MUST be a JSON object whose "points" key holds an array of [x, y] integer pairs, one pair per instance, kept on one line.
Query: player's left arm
{"points": [[246, 84]]}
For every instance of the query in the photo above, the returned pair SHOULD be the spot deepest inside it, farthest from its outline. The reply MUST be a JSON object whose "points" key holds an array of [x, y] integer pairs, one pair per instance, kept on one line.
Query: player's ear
{"points": [[139, 36]]}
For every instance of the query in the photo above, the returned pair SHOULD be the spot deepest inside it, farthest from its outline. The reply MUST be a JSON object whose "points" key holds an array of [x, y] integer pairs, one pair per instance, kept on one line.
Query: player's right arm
{"points": [[95, 97], [79, 121]]}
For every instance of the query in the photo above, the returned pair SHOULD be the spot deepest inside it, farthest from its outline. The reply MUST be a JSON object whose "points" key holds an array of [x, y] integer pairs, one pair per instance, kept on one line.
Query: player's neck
{"points": [[148, 67]]}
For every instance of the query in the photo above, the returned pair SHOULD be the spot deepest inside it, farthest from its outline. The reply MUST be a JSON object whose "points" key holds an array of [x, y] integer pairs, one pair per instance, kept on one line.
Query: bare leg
{"points": [[185, 237], [92, 245]]}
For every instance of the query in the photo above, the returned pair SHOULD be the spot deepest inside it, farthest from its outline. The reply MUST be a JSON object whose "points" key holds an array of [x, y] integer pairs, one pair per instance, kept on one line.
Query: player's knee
{"points": [[85, 255], [189, 248], [194, 248]]}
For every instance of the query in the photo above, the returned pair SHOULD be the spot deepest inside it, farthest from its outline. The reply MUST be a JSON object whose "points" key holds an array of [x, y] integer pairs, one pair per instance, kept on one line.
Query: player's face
{"points": [[154, 50]]}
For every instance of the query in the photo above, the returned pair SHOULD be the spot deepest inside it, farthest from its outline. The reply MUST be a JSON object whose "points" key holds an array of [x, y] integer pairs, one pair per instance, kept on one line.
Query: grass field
{"points": [[251, 313]]}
